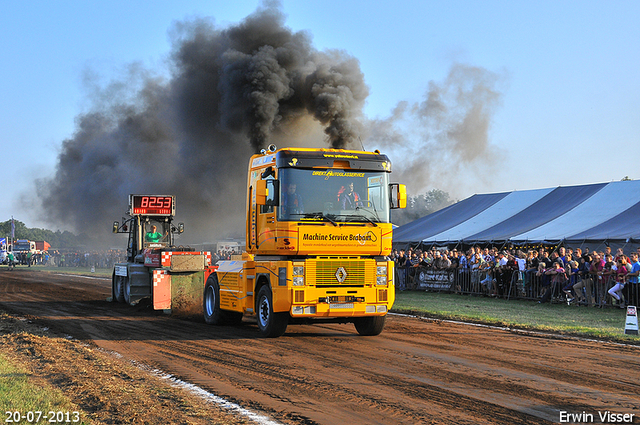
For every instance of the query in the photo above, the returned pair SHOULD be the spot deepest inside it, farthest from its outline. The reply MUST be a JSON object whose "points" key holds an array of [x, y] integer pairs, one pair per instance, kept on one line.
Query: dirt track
{"points": [[416, 371]]}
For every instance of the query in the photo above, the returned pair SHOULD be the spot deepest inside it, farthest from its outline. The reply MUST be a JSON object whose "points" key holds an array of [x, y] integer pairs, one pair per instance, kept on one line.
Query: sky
{"points": [[564, 77]]}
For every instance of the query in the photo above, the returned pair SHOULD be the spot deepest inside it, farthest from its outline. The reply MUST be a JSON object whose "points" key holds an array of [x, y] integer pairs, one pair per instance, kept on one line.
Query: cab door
{"points": [[266, 217]]}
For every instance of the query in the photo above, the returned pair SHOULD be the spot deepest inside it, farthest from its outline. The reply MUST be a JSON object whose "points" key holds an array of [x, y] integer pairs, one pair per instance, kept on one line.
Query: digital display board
{"points": [[152, 205]]}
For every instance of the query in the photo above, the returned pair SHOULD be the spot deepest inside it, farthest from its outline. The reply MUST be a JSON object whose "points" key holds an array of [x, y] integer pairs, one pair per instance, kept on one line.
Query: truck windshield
{"points": [[333, 195]]}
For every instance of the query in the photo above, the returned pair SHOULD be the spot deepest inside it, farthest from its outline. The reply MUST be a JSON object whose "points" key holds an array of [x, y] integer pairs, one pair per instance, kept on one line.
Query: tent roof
{"points": [[603, 211]]}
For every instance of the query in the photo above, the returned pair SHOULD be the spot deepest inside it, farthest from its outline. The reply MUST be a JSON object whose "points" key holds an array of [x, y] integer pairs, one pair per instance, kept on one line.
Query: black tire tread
{"points": [[369, 326]]}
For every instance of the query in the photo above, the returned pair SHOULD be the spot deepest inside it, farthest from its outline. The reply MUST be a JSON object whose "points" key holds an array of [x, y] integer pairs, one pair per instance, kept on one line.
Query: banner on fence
{"points": [[434, 279]]}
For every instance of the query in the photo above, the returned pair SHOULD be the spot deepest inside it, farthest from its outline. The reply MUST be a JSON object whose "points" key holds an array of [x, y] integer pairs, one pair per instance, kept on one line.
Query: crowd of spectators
{"points": [[222, 255], [100, 259], [577, 276]]}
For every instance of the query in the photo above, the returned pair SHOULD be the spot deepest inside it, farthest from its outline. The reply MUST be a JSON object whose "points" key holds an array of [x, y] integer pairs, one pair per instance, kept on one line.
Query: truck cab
{"points": [[320, 202]]}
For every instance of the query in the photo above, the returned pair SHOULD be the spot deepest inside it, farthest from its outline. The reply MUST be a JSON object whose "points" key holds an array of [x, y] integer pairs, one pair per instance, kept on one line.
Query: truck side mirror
{"points": [[397, 195], [273, 193], [180, 227], [115, 226]]}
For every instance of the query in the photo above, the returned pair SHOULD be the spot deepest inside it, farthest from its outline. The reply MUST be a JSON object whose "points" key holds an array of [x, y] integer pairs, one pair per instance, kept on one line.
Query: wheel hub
{"points": [[264, 312]]}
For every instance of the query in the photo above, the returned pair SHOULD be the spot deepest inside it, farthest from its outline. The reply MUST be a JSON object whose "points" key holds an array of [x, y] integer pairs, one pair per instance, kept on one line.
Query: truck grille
{"points": [[342, 272]]}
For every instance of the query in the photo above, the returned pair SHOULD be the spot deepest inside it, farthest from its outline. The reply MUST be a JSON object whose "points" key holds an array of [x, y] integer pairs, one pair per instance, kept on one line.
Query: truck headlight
{"points": [[298, 275], [381, 274]]}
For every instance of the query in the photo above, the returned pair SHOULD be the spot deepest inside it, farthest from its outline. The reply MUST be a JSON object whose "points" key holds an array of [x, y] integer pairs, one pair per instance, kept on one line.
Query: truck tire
{"points": [[118, 288], [369, 326], [211, 301], [126, 286], [272, 325], [213, 314]]}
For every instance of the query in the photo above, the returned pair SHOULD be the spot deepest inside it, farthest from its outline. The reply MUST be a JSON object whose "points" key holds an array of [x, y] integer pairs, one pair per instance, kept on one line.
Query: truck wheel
{"points": [[272, 325], [126, 284], [118, 288], [369, 326], [211, 301]]}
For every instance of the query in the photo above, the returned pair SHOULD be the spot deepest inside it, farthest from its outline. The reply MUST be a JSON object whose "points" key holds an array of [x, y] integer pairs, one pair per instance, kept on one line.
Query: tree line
{"points": [[57, 239]]}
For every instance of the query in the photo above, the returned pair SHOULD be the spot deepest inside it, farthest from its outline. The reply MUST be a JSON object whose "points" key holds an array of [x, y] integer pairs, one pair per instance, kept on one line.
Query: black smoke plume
{"points": [[230, 93]]}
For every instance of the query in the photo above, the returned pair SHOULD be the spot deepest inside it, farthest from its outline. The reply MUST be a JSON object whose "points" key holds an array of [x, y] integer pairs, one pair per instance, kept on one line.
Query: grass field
{"points": [[21, 395], [606, 323]]}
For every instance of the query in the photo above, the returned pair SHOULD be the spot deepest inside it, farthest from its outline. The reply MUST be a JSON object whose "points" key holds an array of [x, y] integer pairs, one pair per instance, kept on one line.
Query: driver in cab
{"points": [[348, 198], [153, 235], [292, 201]]}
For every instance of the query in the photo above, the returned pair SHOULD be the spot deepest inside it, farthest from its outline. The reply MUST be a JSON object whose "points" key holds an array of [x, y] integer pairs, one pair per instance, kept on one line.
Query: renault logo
{"points": [[341, 274]]}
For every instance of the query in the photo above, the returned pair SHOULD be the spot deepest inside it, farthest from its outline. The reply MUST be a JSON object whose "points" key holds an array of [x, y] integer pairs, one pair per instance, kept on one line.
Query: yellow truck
{"points": [[318, 233]]}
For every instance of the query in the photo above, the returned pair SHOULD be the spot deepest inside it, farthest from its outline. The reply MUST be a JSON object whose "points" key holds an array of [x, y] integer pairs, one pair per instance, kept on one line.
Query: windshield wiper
{"points": [[317, 215], [360, 216], [368, 219]]}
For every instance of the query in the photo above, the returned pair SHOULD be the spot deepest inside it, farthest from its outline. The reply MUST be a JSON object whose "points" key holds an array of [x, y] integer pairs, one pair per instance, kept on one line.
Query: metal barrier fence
{"points": [[590, 289]]}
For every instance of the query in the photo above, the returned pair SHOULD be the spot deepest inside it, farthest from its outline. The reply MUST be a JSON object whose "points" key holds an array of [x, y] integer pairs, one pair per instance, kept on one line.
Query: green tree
{"points": [[421, 205], [435, 200]]}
